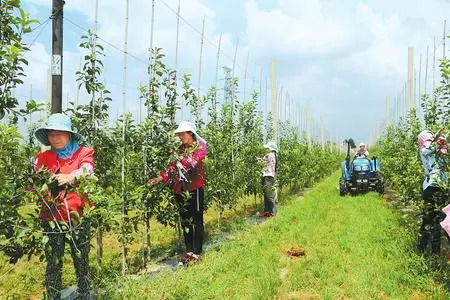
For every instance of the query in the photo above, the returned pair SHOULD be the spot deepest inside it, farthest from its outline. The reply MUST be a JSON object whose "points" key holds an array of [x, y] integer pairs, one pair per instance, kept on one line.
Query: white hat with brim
{"points": [[362, 144], [271, 146], [58, 122], [186, 126]]}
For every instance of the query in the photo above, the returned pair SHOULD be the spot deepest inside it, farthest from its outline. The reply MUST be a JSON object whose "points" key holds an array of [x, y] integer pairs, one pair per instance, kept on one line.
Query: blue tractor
{"points": [[360, 175]]}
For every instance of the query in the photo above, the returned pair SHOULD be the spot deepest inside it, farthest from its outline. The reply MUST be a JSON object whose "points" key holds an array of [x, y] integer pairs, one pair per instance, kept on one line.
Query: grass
{"points": [[28, 275], [356, 248]]}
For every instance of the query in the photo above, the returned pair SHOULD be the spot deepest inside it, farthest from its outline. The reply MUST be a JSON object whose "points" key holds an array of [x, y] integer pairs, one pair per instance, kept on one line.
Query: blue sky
{"points": [[345, 57]]}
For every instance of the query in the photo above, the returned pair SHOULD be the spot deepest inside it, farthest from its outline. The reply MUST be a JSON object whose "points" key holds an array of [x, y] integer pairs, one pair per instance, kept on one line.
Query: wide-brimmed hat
{"points": [[362, 144], [271, 146], [58, 122], [186, 126]]}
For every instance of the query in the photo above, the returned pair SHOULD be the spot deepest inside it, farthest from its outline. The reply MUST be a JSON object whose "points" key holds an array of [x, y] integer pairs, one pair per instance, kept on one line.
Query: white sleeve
{"points": [[85, 169]]}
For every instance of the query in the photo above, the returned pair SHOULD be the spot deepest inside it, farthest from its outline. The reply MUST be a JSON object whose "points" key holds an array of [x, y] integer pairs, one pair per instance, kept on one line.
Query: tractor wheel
{"points": [[342, 187], [380, 187]]}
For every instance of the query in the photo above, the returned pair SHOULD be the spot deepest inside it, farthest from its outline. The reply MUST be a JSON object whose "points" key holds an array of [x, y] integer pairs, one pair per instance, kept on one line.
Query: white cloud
{"points": [[39, 60], [300, 27], [336, 53], [359, 50]]}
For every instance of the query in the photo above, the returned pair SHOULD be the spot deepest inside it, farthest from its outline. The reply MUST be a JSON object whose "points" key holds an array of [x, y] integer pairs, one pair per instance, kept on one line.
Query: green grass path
{"points": [[356, 248]]}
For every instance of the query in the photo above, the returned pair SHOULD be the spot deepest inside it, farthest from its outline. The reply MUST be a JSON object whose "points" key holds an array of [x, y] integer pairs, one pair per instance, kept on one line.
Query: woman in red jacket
{"points": [[188, 174], [62, 211]]}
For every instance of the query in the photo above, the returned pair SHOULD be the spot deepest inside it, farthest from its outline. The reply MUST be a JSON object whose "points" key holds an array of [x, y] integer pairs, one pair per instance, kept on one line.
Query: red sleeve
{"points": [[165, 176], [86, 157], [166, 173]]}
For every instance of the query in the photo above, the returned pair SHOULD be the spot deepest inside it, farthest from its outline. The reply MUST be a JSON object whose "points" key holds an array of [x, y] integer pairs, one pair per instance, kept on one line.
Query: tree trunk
{"points": [[179, 236], [147, 241], [99, 242]]}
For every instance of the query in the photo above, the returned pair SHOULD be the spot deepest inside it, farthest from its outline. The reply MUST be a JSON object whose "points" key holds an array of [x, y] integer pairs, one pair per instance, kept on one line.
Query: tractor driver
{"points": [[362, 152]]}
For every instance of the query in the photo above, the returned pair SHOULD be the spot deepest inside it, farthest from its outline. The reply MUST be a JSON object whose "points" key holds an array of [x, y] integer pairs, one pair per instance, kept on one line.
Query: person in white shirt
{"points": [[362, 151], [268, 180]]}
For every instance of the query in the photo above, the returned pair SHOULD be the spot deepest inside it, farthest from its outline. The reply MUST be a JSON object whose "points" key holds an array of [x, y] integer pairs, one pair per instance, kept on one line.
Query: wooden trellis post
{"points": [[426, 72], [176, 54], [200, 59], [273, 75], [280, 104], [93, 53], [150, 58], [309, 125], [124, 96], [434, 63], [232, 77], [217, 73], [260, 99], [322, 133], [217, 62], [245, 78], [388, 113], [419, 83], [410, 83]]}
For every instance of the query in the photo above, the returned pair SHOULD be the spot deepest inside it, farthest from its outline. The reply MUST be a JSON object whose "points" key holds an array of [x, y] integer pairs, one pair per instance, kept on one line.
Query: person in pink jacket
{"points": [[446, 223], [187, 174]]}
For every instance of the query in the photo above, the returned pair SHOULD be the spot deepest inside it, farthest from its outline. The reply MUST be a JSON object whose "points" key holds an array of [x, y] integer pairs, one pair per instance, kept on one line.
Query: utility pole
{"points": [[57, 55]]}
